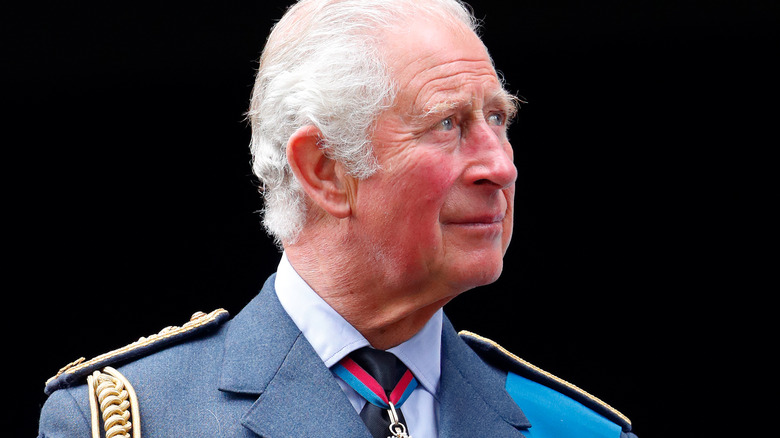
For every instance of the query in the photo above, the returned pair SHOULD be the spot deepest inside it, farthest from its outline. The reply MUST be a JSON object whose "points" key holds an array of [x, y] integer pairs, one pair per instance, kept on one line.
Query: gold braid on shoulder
{"points": [[112, 400], [111, 393]]}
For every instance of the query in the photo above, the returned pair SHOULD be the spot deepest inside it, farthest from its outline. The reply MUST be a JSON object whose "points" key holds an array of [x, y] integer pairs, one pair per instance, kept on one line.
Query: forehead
{"points": [[436, 64]]}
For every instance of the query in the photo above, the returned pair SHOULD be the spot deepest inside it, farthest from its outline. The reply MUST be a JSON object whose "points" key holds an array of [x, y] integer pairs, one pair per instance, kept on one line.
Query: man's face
{"points": [[438, 214]]}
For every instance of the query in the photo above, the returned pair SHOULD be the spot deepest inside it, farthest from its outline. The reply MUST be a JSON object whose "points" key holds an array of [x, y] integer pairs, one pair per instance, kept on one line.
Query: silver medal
{"points": [[397, 429]]}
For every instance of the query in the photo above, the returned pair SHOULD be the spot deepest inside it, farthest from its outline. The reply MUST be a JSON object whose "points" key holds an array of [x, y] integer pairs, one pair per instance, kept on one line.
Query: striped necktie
{"points": [[385, 382]]}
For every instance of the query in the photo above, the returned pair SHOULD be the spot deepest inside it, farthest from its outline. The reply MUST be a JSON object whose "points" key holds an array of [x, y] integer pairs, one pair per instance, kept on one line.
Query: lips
{"points": [[482, 219]]}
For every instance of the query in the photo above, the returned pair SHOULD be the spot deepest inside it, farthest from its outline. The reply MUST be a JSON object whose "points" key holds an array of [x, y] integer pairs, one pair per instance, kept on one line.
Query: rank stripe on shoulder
{"points": [[198, 320], [524, 363]]}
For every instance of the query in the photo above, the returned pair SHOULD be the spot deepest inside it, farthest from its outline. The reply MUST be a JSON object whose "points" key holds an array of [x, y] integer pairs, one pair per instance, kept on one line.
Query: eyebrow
{"points": [[500, 98]]}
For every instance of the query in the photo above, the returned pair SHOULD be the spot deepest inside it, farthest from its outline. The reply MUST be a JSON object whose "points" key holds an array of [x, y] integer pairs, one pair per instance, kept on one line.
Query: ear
{"points": [[322, 178]]}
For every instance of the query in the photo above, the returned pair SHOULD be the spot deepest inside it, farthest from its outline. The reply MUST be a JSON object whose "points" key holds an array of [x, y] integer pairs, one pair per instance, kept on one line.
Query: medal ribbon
{"points": [[370, 389]]}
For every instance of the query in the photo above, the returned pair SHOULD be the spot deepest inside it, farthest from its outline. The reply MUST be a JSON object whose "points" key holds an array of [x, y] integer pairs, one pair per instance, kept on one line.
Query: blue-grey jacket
{"points": [[256, 375]]}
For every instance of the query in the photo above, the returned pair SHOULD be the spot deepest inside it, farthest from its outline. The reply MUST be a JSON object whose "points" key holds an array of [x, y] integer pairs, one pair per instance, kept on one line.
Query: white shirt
{"points": [[333, 338]]}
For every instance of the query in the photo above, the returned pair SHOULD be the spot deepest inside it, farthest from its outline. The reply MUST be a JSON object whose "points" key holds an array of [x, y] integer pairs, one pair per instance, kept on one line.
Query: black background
{"points": [[641, 158]]}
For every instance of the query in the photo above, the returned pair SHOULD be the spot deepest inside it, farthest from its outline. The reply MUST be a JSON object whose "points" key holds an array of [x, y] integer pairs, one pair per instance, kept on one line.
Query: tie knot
{"points": [[385, 382], [385, 367]]}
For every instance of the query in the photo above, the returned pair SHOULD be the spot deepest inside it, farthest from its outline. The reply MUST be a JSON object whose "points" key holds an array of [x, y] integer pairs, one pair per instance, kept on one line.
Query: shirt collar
{"points": [[333, 338]]}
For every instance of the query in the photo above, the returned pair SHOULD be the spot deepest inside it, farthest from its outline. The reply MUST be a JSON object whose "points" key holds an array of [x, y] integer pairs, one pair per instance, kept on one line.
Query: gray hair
{"points": [[322, 66]]}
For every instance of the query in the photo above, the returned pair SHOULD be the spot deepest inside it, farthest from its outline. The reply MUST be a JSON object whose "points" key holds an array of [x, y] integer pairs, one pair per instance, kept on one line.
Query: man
{"points": [[380, 138]]}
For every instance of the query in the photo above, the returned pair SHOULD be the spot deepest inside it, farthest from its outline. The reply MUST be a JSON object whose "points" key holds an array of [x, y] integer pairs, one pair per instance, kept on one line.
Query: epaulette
{"points": [[77, 371], [504, 359]]}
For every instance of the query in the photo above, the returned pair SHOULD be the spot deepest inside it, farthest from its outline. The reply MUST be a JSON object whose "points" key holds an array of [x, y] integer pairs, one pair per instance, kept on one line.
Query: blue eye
{"points": [[496, 119], [447, 124]]}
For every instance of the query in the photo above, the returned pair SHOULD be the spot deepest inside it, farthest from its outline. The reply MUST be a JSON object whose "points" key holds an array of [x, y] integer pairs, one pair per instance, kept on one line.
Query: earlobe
{"points": [[319, 175]]}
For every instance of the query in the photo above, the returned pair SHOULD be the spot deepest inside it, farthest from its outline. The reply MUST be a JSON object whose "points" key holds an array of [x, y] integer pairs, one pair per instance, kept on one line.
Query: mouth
{"points": [[478, 220], [488, 226]]}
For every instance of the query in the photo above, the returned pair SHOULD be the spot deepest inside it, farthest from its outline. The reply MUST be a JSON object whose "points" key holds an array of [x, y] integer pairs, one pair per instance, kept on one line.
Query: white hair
{"points": [[322, 65]]}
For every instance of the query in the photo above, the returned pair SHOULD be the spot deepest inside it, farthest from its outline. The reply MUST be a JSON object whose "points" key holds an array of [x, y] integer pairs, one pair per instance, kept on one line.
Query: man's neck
{"points": [[398, 332], [361, 300]]}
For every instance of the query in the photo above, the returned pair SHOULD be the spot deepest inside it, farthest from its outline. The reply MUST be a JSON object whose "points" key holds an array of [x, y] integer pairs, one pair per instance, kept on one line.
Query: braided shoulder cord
{"points": [[112, 394]]}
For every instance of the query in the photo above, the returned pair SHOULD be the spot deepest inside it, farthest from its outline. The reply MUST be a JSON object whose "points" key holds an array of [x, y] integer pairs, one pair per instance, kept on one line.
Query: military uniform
{"points": [[256, 375]]}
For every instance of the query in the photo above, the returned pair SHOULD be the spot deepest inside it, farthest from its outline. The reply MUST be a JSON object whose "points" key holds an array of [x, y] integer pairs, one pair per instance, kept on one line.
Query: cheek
{"points": [[420, 177], [424, 189], [408, 208]]}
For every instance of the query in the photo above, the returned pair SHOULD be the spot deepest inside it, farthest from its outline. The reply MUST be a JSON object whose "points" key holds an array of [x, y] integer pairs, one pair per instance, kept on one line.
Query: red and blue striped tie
{"points": [[385, 382]]}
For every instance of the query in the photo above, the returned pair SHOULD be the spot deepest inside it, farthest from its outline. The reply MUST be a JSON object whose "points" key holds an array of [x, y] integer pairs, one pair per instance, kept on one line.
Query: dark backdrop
{"points": [[129, 191]]}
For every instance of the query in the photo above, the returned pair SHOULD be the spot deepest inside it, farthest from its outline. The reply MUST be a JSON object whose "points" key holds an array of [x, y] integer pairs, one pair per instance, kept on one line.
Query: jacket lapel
{"points": [[266, 355], [472, 396]]}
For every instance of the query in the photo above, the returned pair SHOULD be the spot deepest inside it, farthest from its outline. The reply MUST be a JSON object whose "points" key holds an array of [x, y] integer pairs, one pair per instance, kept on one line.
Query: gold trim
{"points": [[134, 406], [118, 405], [198, 319], [545, 373], [93, 409]]}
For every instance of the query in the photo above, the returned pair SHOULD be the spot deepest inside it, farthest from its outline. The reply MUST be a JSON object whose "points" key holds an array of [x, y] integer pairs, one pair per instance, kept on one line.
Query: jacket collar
{"points": [[266, 355], [472, 395]]}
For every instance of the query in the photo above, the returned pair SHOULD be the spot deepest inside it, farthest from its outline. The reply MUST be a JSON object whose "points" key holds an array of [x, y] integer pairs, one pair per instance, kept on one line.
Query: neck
{"points": [[393, 334], [385, 315]]}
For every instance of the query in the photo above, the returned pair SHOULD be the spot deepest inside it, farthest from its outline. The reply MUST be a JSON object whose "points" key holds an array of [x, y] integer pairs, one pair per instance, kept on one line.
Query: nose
{"points": [[490, 157]]}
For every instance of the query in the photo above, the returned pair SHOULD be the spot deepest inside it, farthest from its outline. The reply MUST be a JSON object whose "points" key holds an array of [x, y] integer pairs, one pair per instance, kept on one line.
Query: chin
{"points": [[480, 273]]}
